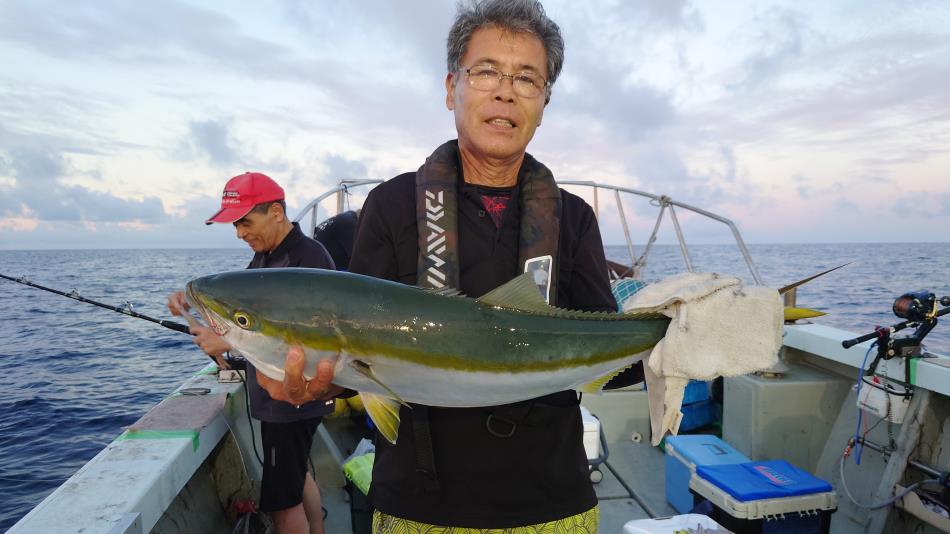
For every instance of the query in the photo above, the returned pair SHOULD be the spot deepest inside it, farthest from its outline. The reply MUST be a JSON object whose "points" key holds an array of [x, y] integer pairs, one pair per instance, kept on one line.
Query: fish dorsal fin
{"points": [[597, 385], [520, 293], [385, 414], [444, 291]]}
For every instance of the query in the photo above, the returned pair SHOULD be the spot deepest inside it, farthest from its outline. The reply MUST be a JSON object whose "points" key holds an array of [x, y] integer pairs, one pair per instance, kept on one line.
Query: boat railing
{"points": [[665, 204], [341, 191], [637, 263]]}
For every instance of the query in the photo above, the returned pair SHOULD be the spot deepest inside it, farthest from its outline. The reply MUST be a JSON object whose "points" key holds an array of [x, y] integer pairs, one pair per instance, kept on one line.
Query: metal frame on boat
{"points": [[637, 263]]}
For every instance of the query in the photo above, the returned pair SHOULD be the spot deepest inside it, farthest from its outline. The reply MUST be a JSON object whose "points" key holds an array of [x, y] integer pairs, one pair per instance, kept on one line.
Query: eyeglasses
{"points": [[487, 78]]}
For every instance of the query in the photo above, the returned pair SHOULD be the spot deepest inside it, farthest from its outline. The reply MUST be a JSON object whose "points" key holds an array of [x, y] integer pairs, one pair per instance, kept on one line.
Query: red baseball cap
{"points": [[242, 193]]}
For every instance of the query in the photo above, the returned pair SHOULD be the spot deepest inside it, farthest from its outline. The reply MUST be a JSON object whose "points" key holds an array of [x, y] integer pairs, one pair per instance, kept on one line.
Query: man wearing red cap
{"points": [[255, 205]]}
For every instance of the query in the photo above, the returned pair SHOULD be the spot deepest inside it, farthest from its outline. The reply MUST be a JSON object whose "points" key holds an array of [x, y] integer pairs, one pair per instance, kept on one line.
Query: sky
{"points": [[803, 122]]}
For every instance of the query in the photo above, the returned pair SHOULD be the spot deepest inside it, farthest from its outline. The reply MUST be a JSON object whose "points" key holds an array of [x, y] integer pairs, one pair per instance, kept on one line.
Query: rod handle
{"points": [[848, 343], [178, 327]]}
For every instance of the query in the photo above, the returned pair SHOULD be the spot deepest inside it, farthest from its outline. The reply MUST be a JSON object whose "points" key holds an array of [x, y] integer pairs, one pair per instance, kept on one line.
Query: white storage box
{"points": [[670, 525], [591, 434]]}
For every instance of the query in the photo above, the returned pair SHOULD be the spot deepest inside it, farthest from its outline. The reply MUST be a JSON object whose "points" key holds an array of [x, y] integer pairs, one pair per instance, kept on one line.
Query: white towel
{"points": [[719, 328]]}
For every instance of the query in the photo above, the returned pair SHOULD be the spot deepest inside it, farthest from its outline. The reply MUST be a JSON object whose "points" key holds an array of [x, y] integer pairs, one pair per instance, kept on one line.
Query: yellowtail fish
{"points": [[395, 343]]}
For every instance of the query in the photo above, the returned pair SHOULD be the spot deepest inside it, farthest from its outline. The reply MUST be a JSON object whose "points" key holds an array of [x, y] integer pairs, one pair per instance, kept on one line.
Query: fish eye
{"points": [[243, 320]]}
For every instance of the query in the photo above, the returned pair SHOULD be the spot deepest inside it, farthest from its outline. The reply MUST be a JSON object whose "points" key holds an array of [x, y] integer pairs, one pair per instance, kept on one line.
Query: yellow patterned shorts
{"points": [[583, 523]]}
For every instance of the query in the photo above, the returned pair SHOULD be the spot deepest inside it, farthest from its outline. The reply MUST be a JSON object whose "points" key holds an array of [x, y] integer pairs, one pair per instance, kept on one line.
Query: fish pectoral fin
{"points": [[385, 414], [793, 314], [366, 370], [597, 385]]}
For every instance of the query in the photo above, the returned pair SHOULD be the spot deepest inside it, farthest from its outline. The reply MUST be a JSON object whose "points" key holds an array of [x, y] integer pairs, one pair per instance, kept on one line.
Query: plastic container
{"points": [[883, 400], [766, 497], [683, 454], [697, 415], [591, 434], [696, 391], [595, 445], [806, 400], [669, 525], [359, 471]]}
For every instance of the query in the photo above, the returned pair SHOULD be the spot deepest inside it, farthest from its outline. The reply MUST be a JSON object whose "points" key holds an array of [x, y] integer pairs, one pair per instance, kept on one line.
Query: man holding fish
{"points": [[475, 215]]}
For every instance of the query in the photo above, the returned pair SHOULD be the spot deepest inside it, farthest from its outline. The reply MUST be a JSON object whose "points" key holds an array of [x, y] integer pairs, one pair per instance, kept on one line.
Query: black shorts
{"points": [[286, 457]]}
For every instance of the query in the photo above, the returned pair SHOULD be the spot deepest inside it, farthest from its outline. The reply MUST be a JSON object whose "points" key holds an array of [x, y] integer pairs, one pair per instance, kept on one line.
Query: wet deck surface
{"points": [[640, 467]]}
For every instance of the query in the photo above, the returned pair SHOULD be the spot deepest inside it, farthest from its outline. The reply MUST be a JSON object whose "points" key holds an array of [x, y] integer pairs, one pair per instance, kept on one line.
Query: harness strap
{"points": [[503, 421], [425, 457]]}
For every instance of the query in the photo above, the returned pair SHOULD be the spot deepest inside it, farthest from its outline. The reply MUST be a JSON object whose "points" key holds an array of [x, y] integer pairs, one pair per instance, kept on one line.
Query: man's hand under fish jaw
{"points": [[177, 304], [211, 343], [295, 389]]}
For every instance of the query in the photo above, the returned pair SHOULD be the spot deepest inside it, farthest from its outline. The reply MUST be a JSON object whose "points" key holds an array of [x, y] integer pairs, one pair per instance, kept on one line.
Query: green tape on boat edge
{"points": [[209, 370], [162, 434]]}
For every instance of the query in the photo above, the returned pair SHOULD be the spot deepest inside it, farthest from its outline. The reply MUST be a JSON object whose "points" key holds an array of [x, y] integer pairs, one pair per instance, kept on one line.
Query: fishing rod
{"points": [[171, 325], [229, 361], [920, 310]]}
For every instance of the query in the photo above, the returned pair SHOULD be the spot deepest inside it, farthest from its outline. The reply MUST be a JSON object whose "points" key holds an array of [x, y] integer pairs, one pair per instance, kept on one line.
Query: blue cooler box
{"points": [[697, 415], [696, 391], [683, 455], [766, 497]]}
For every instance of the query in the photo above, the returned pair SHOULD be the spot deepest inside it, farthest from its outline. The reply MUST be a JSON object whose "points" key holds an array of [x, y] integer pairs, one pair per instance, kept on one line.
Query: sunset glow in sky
{"points": [[803, 121]]}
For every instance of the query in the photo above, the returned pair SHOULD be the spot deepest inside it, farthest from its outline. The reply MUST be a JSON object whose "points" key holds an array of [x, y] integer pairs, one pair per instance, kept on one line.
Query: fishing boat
{"points": [[190, 463]]}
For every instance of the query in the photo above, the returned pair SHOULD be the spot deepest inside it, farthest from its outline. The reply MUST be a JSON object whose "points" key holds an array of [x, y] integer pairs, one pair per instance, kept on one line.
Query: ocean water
{"points": [[72, 375]]}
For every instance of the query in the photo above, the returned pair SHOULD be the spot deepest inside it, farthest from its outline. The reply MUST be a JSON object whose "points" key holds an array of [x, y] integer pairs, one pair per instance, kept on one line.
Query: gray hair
{"points": [[521, 16], [263, 207]]}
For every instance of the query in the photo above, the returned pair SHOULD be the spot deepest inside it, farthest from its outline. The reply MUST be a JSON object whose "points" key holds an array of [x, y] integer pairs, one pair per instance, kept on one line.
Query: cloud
{"points": [[37, 119], [414, 30], [801, 185], [779, 44], [74, 203], [131, 33], [919, 208], [870, 90], [339, 168], [212, 138], [723, 107], [843, 204], [18, 224], [662, 169], [631, 26], [39, 194], [637, 110], [36, 164]]}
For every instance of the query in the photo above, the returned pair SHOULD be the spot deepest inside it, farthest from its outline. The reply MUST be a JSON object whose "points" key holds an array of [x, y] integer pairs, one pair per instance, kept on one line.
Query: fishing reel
{"points": [[919, 306], [920, 311]]}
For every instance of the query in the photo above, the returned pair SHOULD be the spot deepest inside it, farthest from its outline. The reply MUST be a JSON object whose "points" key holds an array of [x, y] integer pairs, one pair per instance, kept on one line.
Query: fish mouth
{"points": [[204, 307]]}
